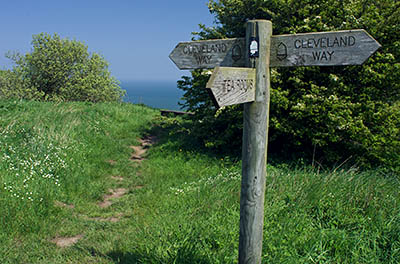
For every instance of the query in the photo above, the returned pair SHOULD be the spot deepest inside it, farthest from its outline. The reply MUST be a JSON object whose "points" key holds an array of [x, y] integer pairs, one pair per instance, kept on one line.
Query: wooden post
{"points": [[254, 150], [348, 47]]}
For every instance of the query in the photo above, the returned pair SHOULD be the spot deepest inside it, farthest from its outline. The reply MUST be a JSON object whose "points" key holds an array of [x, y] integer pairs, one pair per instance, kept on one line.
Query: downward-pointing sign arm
{"points": [[232, 85]]}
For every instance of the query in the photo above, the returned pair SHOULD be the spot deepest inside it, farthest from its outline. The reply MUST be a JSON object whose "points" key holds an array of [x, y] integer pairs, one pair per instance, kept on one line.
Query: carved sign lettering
{"points": [[350, 47], [208, 54], [231, 85]]}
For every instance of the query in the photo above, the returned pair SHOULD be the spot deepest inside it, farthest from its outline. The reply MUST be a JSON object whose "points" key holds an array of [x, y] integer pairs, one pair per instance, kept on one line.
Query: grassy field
{"points": [[179, 205]]}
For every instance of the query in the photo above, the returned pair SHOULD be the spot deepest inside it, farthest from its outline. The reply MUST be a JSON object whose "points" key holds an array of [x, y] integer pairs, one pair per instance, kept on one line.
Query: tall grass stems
{"points": [[182, 206]]}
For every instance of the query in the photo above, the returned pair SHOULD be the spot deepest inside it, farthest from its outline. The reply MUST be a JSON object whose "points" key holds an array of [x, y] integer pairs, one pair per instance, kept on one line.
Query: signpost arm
{"points": [[254, 150], [349, 47]]}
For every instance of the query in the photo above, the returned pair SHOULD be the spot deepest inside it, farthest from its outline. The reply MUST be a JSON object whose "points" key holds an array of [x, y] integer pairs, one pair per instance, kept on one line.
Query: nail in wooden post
{"points": [[254, 149]]}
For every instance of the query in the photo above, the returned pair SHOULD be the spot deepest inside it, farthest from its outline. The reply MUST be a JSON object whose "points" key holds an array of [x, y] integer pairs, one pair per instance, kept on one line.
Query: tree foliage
{"points": [[330, 114], [59, 69], [11, 86]]}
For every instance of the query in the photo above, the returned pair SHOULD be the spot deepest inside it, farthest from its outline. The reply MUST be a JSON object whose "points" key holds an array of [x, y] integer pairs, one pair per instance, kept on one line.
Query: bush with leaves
{"points": [[331, 114], [60, 69], [11, 86]]}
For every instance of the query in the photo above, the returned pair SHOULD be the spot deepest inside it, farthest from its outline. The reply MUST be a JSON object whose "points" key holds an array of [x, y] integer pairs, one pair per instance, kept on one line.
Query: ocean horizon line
{"points": [[156, 94]]}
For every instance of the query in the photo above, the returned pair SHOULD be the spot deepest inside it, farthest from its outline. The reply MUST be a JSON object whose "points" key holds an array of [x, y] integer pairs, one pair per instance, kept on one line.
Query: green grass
{"points": [[187, 210]]}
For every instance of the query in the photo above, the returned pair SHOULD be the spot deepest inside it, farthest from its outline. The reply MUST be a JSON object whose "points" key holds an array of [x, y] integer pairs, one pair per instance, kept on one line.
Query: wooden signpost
{"points": [[208, 54], [348, 47], [258, 52], [231, 85]]}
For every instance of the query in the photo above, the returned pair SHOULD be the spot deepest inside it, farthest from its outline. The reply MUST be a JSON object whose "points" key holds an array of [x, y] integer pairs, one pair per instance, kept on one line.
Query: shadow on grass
{"points": [[138, 257], [175, 133]]}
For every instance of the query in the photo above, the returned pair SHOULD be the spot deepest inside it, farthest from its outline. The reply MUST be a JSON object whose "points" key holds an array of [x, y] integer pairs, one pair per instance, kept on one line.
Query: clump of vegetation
{"points": [[331, 114], [59, 70], [181, 206], [54, 151]]}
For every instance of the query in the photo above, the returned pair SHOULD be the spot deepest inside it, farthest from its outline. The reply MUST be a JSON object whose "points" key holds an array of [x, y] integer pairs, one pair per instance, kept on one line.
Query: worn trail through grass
{"points": [[111, 197], [81, 184]]}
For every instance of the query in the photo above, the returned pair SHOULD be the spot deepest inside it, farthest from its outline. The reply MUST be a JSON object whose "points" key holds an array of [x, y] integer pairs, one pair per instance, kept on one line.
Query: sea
{"points": [[156, 94]]}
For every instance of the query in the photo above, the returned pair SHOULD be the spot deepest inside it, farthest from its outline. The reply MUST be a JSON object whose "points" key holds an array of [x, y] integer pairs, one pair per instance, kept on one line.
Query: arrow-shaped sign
{"points": [[208, 54], [349, 47], [238, 85], [232, 85]]}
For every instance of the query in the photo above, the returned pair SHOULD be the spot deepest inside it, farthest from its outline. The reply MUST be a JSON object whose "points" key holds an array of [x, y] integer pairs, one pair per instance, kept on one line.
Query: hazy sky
{"points": [[135, 37]]}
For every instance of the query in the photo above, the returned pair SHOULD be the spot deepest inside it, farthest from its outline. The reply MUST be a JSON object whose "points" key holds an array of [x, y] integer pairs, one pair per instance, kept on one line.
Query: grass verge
{"points": [[181, 206]]}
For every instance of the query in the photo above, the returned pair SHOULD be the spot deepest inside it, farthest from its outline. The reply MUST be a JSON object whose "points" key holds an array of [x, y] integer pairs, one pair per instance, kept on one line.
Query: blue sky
{"points": [[135, 37]]}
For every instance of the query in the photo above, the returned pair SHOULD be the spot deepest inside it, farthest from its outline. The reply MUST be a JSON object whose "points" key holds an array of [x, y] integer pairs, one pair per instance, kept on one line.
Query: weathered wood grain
{"points": [[254, 151], [349, 47], [207, 54], [231, 85]]}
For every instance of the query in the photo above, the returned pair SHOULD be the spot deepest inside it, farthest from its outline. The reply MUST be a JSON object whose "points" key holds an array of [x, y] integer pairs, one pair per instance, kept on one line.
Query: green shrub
{"points": [[60, 69], [329, 114], [11, 86], [214, 129]]}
